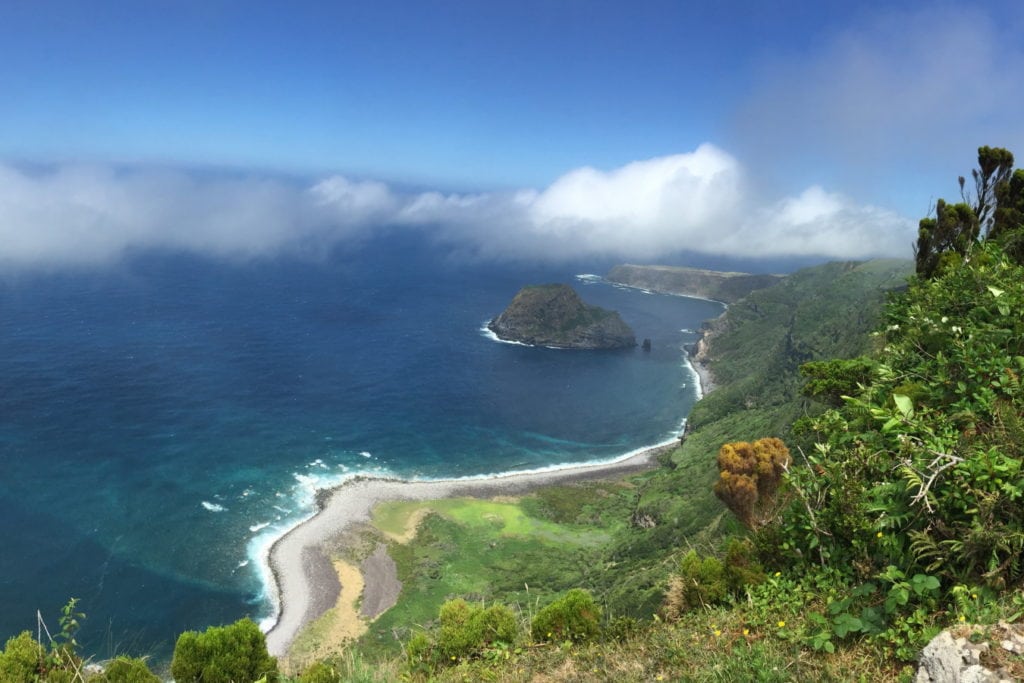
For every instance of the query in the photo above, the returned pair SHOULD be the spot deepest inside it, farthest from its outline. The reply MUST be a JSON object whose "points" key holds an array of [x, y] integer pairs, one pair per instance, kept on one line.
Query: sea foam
{"points": [[487, 332]]}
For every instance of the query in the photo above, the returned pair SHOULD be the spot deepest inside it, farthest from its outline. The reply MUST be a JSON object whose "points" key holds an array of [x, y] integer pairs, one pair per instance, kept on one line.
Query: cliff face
{"points": [[554, 315], [707, 284]]}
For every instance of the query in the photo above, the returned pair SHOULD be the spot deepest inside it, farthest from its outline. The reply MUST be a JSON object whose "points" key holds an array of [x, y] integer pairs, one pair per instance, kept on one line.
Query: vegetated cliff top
{"points": [[726, 287], [554, 315]]}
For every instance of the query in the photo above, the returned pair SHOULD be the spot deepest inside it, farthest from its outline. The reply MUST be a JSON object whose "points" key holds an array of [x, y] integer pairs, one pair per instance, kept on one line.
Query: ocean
{"points": [[164, 419]]}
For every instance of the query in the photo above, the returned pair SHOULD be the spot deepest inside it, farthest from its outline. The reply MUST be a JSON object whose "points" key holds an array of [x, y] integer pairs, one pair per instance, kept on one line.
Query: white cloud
{"points": [[93, 215], [821, 223], [696, 202], [644, 210]]}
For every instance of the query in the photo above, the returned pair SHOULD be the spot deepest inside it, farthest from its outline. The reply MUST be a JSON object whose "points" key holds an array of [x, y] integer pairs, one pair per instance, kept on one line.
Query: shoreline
{"points": [[645, 290], [305, 583], [694, 354]]}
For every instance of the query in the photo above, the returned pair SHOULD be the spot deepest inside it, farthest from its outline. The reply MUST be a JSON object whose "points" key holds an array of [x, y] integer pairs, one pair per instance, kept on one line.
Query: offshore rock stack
{"points": [[555, 316]]}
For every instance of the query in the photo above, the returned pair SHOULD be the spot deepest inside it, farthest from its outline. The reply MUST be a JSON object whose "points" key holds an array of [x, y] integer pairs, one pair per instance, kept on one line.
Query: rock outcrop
{"points": [[554, 315], [952, 657], [706, 284]]}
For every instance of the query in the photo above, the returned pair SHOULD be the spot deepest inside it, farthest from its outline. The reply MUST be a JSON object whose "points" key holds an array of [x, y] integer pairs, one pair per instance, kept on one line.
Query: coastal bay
{"points": [[307, 586], [292, 379]]}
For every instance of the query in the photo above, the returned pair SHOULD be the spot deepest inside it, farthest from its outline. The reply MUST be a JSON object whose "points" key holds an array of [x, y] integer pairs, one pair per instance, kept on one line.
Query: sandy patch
{"points": [[338, 625]]}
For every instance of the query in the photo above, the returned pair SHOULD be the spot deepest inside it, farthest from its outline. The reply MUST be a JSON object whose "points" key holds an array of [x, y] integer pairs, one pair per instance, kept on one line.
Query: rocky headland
{"points": [[721, 286], [555, 316]]}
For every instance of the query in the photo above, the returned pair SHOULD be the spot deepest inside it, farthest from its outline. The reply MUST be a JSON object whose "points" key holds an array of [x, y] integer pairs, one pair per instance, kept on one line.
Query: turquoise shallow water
{"points": [[162, 420]]}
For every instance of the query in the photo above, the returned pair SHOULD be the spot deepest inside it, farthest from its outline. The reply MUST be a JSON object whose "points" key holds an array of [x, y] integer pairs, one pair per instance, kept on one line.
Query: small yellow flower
{"points": [[782, 624], [879, 534], [974, 595], [746, 631], [717, 633], [778, 574], [963, 618]]}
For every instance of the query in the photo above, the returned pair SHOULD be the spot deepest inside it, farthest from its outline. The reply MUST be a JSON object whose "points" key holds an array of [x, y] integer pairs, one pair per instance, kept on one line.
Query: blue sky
{"points": [[826, 112]]}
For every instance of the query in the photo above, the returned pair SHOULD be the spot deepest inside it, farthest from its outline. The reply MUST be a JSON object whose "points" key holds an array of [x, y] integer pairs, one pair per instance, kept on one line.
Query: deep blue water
{"points": [[162, 420]]}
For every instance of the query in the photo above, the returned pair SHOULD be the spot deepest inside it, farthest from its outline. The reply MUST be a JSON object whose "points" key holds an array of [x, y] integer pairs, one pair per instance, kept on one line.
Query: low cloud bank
{"points": [[699, 201]]}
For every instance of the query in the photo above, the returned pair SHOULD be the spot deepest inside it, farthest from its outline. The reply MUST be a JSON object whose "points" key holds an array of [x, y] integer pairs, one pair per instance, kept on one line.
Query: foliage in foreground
{"points": [[922, 471], [223, 654]]}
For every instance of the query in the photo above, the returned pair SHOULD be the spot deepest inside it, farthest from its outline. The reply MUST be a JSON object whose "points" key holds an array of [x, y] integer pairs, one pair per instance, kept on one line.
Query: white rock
{"points": [[941, 660]]}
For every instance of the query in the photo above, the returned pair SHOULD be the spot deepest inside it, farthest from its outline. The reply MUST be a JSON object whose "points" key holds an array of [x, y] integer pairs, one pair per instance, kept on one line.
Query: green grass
{"points": [[486, 516], [490, 550]]}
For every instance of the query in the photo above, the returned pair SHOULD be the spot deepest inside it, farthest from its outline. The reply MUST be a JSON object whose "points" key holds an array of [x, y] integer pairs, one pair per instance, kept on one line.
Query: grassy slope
{"points": [[583, 535], [816, 313]]}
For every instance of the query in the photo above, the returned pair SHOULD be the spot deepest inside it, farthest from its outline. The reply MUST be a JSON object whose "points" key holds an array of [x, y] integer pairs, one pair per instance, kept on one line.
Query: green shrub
{"points": [[223, 654], [498, 624], [575, 616], [420, 652], [700, 582], [457, 636], [741, 566], [21, 658], [127, 670], [466, 630], [320, 672]]}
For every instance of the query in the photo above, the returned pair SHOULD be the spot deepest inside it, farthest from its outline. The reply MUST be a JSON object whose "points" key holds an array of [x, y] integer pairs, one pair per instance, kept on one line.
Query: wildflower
{"points": [[963, 618], [782, 624], [746, 631], [879, 534], [974, 595], [778, 574], [717, 633]]}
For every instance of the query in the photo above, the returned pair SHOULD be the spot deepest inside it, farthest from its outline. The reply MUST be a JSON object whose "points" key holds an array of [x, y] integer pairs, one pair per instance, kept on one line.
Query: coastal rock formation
{"points": [[700, 352], [554, 315], [706, 284]]}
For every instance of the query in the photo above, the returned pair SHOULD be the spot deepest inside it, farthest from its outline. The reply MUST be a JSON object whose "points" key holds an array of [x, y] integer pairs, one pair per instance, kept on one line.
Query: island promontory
{"points": [[554, 315], [708, 284]]}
